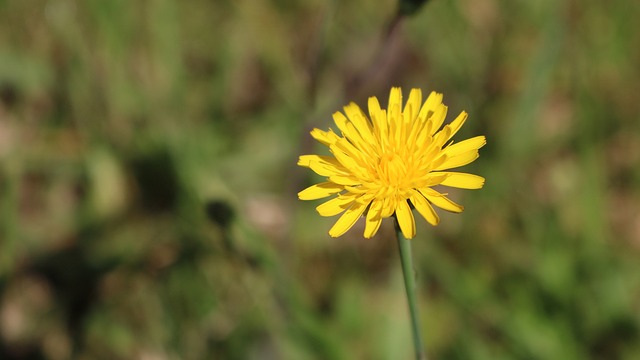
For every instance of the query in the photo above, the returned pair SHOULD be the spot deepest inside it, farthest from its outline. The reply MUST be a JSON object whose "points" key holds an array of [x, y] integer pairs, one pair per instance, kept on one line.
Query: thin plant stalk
{"points": [[404, 246]]}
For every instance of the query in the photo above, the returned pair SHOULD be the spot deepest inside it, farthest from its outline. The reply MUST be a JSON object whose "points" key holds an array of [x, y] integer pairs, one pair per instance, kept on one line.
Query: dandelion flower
{"points": [[389, 162]]}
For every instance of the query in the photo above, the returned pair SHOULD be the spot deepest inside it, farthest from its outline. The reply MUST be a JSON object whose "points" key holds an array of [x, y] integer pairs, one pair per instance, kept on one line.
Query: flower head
{"points": [[393, 157]]}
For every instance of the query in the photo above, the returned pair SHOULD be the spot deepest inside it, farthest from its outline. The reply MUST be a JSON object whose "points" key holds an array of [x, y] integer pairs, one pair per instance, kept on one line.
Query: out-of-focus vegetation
{"points": [[148, 180]]}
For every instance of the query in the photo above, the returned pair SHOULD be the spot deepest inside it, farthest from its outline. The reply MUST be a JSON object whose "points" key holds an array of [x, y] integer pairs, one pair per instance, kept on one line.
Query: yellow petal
{"points": [[441, 137], [413, 103], [335, 206], [407, 121], [305, 160], [395, 125], [326, 170], [351, 132], [381, 129], [463, 180], [374, 108], [436, 120], [378, 118], [437, 163], [423, 139], [457, 123], [424, 208], [388, 207], [405, 219], [325, 137], [323, 165], [441, 201], [319, 191], [348, 156], [430, 179], [357, 189], [415, 134], [434, 179], [464, 146], [367, 146], [373, 219], [348, 219], [345, 180], [365, 198], [395, 99], [433, 100], [457, 161], [341, 121], [360, 121]]}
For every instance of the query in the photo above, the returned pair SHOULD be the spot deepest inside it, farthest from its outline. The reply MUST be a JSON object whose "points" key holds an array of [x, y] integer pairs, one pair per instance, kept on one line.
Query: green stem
{"points": [[410, 285]]}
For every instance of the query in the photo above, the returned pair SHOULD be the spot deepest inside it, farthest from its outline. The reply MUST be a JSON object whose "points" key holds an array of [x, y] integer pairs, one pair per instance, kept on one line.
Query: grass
{"points": [[148, 181]]}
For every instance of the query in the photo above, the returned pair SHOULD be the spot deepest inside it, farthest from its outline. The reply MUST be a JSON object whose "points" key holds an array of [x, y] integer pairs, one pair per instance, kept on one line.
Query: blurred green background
{"points": [[148, 181]]}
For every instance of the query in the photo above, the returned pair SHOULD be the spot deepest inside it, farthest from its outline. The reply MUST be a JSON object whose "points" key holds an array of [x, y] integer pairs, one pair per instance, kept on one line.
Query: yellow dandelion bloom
{"points": [[393, 157]]}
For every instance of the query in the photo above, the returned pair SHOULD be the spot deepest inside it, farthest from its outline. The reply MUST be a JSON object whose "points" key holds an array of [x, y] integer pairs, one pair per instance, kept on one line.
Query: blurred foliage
{"points": [[148, 180], [410, 7]]}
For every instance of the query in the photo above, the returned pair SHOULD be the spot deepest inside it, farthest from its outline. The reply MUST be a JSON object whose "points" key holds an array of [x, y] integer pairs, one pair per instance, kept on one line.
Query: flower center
{"points": [[392, 170]]}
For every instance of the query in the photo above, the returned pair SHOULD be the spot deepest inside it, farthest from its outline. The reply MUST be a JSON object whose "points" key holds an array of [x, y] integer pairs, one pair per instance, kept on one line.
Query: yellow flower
{"points": [[396, 155]]}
